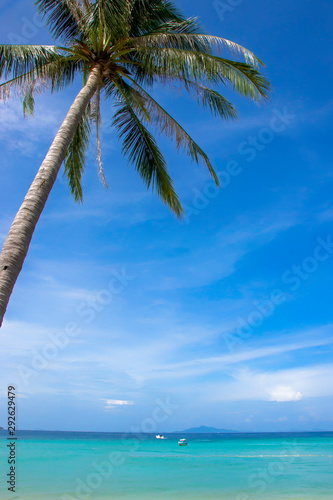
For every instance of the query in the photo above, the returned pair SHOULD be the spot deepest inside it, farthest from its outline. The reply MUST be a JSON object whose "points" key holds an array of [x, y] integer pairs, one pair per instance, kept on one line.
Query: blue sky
{"points": [[224, 319]]}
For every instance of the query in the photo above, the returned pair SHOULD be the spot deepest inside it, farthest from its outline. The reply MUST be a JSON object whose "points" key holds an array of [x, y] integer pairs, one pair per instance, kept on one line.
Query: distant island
{"points": [[203, 429]]}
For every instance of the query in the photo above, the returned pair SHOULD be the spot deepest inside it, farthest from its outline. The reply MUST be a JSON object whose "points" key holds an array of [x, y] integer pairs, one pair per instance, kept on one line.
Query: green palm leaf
{"points": [[212, 100], [165, 64], [54, 76], [76, 156], [109, 18], [65, 18], [149, 15], [16, 60], [141, 149], [183, 36], [153, 113]]}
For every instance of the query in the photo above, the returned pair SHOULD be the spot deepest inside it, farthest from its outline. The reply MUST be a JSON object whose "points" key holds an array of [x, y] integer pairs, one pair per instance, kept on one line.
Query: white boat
{"points": [[159, 436], [182, 442]]}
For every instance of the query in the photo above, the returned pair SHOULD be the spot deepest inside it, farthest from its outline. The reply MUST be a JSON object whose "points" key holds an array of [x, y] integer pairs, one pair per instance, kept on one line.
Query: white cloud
{"points": [[282, 394], [118, 402], [113, 403]]}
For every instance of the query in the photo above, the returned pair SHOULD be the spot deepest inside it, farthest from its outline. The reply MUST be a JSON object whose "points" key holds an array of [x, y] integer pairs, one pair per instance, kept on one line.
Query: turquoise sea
{"points": [[68, 465]]}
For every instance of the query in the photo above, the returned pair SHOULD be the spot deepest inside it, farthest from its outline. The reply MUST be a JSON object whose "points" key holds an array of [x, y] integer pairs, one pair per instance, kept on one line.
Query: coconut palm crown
{"points": [[120, 48]]}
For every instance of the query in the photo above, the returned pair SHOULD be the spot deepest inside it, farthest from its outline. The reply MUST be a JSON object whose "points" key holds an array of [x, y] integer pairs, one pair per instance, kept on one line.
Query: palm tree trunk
{"points": [[18, 240]]}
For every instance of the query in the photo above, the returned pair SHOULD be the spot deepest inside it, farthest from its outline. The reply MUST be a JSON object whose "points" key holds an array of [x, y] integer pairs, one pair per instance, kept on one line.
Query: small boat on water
{"points": [[182, 442], [160, 436]]}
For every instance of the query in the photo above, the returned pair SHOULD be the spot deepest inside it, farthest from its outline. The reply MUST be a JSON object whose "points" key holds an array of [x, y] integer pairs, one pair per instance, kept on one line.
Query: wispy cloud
{"points": [[25, 135], [205, 365], [138, 362], [12, 119]]}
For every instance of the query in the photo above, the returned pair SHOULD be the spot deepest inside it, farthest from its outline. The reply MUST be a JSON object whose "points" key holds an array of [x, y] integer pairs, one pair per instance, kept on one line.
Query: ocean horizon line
{"points": [[238, 433]]}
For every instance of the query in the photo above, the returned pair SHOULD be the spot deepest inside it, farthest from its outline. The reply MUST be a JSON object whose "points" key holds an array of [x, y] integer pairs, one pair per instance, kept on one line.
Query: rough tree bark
{"points": [[18, 240]]}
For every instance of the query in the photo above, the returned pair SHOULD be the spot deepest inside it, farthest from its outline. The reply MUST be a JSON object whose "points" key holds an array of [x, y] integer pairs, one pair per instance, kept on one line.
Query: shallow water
{"points": [[67, 466]]}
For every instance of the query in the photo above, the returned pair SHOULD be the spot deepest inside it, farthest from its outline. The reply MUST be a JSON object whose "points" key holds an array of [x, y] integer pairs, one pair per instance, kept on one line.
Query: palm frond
{"points": [[212, 100], [181, 26], [15, 84], [29, 102], [16, 60], [174, 36], [141, 149], [234, 48], [246, 79], [148, 15], [61, 72], [109, 19], [79, 11], [76, 156], [152, 112], [54, 76], [65, 18], [164, 64], [180, 36], [27, 93]]}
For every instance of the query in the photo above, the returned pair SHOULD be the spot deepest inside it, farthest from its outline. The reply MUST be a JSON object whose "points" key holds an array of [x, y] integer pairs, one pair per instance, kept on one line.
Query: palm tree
{"points": [[121, 48]]}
